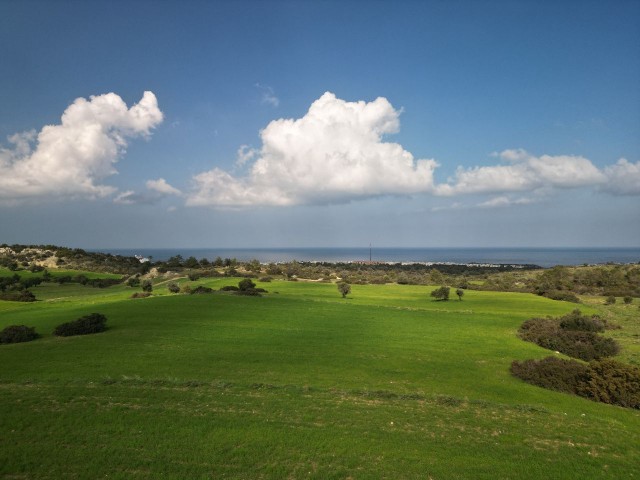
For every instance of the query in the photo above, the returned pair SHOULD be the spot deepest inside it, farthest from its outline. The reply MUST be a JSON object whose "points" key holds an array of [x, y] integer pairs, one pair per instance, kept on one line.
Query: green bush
{"points": [[606, 381], [18, 296], [246, 284], [612, 382], [627, 300], [610, 300], [141, 295], [552, 373], [574, 335], [18, 334], [173, 287], [229, 288], [92, 323], [562, 296], [441, 293], [147, 286], [576, 321], [200, 289]]}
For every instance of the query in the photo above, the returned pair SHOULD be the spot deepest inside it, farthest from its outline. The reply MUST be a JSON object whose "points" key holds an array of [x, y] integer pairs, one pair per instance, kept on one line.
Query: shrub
{"points": [[194, 276], [610, 300], [246, 284], [133, 282], [18, 296], [229, 288], [627, 300], [552, 373], [441, 293], [141, 295], [344, 288], [612, 382], [562, 296], [266, 279], [200, 289], [147, 286], [173, 287], [250, 293], [576, 321], [18, 334], [186, 289], [92, 323], [606, 381], [576, 339]]}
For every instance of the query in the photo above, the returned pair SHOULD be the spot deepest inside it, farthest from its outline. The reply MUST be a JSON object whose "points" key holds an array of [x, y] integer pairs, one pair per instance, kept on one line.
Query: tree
{"points": [[344, 288], [147, 286], [173, 287], [460, 293], [441, 293], [191, 262]]}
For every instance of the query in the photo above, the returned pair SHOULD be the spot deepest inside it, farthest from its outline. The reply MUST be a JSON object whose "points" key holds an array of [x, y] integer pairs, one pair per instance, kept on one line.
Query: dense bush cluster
{"points": [[200, 289], [562, 296], [141, 295], [574, 335], [92, 323], [552, 373], [18, 334], [604, 381], [18, 296]]}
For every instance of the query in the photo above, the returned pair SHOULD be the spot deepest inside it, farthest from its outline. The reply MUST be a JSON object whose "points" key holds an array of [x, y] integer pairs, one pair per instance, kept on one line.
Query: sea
{"points": [[543, 257]]}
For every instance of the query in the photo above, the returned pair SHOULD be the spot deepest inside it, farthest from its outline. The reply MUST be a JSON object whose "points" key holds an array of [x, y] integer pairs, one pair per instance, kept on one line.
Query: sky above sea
{"points": [[276, 123]]}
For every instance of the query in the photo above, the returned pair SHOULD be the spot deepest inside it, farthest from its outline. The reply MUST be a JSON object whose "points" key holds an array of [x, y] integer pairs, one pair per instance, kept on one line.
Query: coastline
{"points": [[543, 256]]}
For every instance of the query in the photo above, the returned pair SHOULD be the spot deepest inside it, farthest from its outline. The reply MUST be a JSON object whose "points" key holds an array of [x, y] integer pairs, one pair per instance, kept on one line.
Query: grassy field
{"points": [[299, 383]]}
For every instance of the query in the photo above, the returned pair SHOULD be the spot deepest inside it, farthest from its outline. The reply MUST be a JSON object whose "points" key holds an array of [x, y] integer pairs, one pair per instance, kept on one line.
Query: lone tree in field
{"points": [[441, 293], [460, 293], [344, 288]]}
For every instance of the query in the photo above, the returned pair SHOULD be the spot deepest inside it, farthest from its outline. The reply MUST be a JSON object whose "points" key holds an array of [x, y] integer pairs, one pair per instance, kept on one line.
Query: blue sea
{"points": [[544, 257]]}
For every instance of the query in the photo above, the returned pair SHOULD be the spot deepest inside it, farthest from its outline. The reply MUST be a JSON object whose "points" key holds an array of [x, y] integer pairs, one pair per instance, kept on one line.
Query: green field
{"points": [[299, 383]]}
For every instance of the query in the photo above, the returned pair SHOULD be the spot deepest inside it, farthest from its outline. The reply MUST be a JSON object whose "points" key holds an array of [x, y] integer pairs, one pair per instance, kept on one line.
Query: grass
{"points": [[296, 384]]}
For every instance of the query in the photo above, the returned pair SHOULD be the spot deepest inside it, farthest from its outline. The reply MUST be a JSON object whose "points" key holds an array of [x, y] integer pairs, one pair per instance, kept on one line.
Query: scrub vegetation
{"points": [[298, 383]]}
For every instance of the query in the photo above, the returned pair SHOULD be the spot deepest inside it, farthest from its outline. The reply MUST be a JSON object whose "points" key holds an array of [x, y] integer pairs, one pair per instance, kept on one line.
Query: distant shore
{"points": [[544, 257]]}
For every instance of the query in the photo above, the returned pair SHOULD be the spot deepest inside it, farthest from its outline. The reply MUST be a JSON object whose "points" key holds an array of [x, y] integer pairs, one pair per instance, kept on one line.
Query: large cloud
{"points": [[525, 172], [334, 154], [71, 158]]}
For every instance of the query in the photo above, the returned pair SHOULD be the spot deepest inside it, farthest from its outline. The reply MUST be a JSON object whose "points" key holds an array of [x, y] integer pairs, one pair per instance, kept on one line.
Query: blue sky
{"points": [[265, 124]]}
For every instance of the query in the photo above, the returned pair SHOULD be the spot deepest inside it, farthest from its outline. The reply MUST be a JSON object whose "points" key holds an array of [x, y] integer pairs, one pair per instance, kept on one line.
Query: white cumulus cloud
{"points": [[525, 172], [71, 158], [335, 153]]}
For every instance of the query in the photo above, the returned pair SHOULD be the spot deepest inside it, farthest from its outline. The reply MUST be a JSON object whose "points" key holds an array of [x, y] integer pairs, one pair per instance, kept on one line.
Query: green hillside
{"points": [[299, 383]]}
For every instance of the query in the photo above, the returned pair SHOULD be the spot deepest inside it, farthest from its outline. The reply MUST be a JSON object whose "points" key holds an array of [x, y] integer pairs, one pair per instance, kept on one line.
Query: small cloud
{"points": [[245, 154], [161, 186], [268, 95], [156, 191], [126, 198]]}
